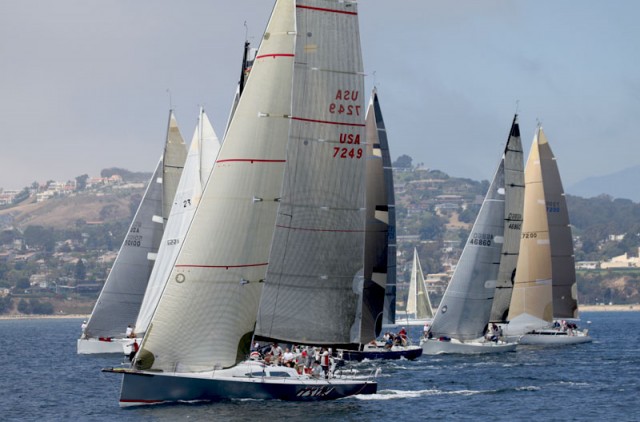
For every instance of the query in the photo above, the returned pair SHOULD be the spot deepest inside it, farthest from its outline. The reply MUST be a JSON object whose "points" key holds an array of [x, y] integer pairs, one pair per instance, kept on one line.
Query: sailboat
{"points": [[545, 283], [378, 305], [197, 168], [119, 302], [419, 310], [300, 100], [461, 321]]}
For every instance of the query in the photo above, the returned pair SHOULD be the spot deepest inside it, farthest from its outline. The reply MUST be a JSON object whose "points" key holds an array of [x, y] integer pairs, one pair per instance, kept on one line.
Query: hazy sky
{"points": [[83, 84]]}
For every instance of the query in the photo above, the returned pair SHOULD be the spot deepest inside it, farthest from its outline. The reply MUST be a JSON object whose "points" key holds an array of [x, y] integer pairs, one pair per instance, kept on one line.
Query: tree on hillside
{"points": [[81, 182], [80, 272], [403, 162]]}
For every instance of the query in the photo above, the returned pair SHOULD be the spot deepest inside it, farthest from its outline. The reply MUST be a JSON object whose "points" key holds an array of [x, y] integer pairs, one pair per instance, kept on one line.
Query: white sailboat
{"points": [[419, 310], [197, 169], [461, 321], [299, 100], [546, 273], [119, 302]]}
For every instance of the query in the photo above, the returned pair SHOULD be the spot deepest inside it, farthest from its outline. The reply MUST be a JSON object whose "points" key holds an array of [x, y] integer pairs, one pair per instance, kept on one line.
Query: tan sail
{"points": [[531, 302]]}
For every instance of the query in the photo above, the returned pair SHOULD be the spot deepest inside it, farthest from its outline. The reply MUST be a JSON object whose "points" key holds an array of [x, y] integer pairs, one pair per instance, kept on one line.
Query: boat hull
{"points": [[409, 352], [555, 338], [94, 346], [438, 347], [143, 387]]}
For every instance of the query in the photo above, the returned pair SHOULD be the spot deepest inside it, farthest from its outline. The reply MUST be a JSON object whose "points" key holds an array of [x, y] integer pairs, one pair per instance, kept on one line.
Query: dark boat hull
{"points": [[409, 353]]}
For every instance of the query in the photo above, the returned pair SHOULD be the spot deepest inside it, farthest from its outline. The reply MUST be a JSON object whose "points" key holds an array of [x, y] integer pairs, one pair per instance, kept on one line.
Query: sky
{"points": [[87, 85]]}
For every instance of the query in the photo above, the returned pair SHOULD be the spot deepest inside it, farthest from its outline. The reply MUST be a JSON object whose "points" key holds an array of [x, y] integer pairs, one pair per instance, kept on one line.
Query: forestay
{"points": [[207, 312], [313, 289]]}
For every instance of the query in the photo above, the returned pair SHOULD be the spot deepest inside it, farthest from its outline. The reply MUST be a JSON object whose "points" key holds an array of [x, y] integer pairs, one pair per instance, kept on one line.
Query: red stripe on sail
{"points": [[321, 9], [222, 266], [320, 230], [275, 55], [249, 160], [327, 122]]}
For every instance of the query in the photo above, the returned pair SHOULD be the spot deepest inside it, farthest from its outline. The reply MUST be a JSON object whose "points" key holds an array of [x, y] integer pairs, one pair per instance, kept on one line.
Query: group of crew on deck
{"points": [[563, 325], [390, 339], [314, 361]]}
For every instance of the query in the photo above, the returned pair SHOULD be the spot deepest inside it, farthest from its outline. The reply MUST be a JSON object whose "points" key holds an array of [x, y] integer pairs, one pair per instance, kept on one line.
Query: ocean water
{"points": [[42, 378]]}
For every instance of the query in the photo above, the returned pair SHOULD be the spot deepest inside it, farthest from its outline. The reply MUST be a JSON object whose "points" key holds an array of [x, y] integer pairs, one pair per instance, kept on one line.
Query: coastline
{"points": [[53, 316], [610, 308]]}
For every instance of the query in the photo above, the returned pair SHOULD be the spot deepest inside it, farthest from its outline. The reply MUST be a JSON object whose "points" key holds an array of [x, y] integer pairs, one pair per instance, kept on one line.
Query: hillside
{"points": [[621, 184]]}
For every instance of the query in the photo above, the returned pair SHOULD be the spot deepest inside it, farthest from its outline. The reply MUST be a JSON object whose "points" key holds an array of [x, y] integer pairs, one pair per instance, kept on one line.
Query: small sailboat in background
{"points": [[545, 279], [461, 321], [419, 310], [292, 249], [379, 292], [197, 169], [110, 326]]}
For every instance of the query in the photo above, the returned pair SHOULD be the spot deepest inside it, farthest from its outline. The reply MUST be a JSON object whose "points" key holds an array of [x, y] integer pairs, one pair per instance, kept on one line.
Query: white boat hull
{"points": [[439, 347], [555, 337], [240, 382], [93, 346]]}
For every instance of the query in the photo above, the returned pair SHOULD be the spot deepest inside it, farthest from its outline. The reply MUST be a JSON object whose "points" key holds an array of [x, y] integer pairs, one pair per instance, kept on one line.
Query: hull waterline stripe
{"points": [[221, 266], [140, 401], [321, 9], [302, 119]]}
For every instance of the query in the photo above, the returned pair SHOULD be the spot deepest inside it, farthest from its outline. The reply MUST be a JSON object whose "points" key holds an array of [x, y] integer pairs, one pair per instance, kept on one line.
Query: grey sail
{"points": [[389, 315], [123, 291], [313, 290], [563, 273], [464, 310], [514, 203]]}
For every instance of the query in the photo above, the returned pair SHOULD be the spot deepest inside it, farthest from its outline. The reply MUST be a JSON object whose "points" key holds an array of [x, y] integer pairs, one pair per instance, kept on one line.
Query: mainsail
{"points": [[465, 307], [313, 289], [563, 272], [207, 312], [514, 202], [175, 154], [120, 298], [531, 301], [418, 302], [202, 154]]}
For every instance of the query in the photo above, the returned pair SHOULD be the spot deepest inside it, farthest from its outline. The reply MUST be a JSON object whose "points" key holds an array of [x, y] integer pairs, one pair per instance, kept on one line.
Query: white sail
{"points": [[464, 310], [418, 302], [206, 315], [563, 270], [204, 149], [313, 289], [175, 154], [514, 202], [121, 296], [531, 301]]}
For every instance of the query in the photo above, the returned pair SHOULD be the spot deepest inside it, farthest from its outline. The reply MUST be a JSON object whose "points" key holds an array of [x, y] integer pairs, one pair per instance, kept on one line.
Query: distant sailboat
{"points": [[249, 231], [546, 272], [419, 310], [461, 321], [197, 168], [119, 302]]}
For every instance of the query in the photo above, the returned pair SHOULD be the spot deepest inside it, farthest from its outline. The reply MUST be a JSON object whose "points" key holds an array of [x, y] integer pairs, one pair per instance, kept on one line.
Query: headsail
{"points": [[531, 301], [313, 289], [204, 149], [207, 312], [175, 154], [120, 298], [514, 202]]}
